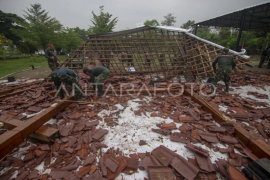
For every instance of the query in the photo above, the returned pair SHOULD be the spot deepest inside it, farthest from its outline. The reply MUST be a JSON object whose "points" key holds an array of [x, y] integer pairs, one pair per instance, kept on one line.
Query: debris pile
{"points": [[77, 152], [31, 100]]}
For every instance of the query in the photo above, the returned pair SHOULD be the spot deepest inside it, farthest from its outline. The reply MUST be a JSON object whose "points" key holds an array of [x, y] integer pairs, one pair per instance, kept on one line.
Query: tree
{"points": [[7, 22], [4, 43], [39, 27], [187, 24], [82, 32], [151, 22], [102, 22], [70, 40], [169, 20], [28, 47]]}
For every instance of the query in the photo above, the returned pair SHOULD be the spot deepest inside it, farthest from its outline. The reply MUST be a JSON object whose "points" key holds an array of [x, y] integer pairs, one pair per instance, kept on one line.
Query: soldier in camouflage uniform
{"points": [[52, 58], [226, 64], [101, 73], [68, 77]]}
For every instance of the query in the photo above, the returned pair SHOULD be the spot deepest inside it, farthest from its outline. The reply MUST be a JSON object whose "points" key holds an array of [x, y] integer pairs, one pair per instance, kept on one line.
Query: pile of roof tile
{"points": [[255, 78], [77, 154], [32, 100]]}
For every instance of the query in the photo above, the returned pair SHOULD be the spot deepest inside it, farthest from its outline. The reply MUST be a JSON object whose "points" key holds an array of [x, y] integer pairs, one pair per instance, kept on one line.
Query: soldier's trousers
{"points": [[223, 73], [53, 65], [263, 58], [58, 78], [101, 77]]}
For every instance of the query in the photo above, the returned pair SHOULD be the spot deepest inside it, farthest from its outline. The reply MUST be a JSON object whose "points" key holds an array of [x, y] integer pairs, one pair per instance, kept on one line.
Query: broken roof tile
{"points": [[204, 162], [34, 174], [132, 165], [235, 174], [83, 171], [99, 133], [162, 131], [71, 141], [134, 156], [197, 149], [92, 123], [184, 168], [91, 114], [180, 137], [122, 163], [236, 161], [216, 129], [22, 176], [161, 173], [162, 156], [44, 147], [34, 109], [169, 126], [150, 161], [209, 137], [58, 174], [228, 139], [225, 150], [103, 166], [141, 155], [112, 164], [142, 142], [187, 119], [228, 126]]}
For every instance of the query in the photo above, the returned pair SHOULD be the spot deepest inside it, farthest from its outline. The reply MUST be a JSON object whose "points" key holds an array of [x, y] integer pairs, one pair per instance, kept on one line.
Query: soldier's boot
{"points": [[227, 88], [100, 90], [212, 88], [260, 65]]}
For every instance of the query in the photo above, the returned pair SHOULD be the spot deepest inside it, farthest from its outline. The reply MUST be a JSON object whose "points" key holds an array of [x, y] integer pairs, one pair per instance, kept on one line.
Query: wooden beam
{"points": [[11, 139], [256, 145]]}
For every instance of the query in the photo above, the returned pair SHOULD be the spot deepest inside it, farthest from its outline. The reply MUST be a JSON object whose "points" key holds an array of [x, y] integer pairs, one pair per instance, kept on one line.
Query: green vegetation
{"points": [[251, 40], [102, 22], [15, 65], [255, 58]]}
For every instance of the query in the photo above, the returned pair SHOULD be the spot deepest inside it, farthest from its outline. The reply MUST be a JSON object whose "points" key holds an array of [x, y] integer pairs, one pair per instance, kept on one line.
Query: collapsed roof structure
{"points": [[139, 51]]}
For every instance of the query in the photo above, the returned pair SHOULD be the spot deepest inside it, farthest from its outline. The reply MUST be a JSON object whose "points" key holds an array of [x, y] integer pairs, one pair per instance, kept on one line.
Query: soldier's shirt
{"points": [[96, 71], [224, 62], [68, 72], [48, 54]]}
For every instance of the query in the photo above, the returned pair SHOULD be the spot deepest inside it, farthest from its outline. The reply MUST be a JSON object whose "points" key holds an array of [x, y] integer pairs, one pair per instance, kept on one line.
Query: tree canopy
{"points": [[169, 20], [39, 27], [151, 22], [188, 24], [7, 22], [227, 37], [102, 22]]}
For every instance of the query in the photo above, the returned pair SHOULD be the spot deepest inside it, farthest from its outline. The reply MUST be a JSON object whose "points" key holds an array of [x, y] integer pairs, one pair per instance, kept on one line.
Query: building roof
{"points": [[168, 28], [255, 17]]}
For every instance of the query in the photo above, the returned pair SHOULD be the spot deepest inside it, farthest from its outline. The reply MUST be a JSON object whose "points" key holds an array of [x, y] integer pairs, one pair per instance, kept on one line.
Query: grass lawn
{"points": [[15, 65], [255, 58]]}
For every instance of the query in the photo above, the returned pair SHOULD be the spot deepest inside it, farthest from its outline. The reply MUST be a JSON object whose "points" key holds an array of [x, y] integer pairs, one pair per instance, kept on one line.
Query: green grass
{"points": [[15, 65], [255, 58]]}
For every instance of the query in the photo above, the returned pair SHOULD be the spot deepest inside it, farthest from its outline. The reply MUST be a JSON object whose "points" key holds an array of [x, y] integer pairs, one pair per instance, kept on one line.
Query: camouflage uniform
{"points": [[226, 64], [53, 64], [225, 73], [101, 77], [68, 77], [101, 73]]}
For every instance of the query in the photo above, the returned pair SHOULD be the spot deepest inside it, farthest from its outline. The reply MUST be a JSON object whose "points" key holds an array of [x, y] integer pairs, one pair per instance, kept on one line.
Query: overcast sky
{"points": [[72, 13]]}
